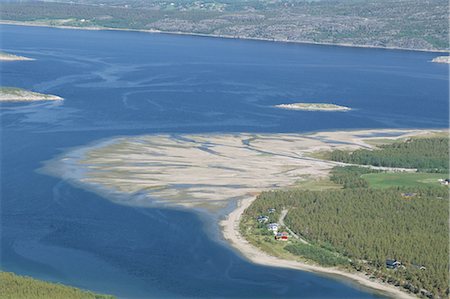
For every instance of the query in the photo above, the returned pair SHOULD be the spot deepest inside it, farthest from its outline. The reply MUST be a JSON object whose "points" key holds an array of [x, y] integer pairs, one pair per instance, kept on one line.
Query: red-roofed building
{"points": [[284, 236]]}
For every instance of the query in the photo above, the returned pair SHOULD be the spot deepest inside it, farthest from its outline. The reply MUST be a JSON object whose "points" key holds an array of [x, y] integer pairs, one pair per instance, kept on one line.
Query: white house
{"points": [[273, 227]]}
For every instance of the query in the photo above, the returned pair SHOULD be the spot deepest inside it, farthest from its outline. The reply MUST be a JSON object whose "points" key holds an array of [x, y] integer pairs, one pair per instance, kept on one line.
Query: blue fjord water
{"points": [[129, 83]]}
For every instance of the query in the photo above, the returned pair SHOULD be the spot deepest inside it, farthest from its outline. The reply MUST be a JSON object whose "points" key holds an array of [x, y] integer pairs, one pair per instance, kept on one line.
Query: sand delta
{"points": [[207, 171]]}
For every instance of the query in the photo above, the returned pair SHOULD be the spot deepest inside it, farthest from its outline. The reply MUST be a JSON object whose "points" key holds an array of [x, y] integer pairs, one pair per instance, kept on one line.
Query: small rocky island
{"points": [[313, 107], [442, 59], [11, 57], [12, 94]]}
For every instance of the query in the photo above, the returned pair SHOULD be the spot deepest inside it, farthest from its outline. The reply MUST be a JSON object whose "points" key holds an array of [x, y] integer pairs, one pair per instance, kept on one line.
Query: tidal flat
{"points": [[205, 170]]}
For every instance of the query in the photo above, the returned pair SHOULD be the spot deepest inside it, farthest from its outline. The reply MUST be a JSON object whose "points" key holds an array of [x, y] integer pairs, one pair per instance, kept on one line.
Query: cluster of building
{"points": [[394, 264], [273, 227]]}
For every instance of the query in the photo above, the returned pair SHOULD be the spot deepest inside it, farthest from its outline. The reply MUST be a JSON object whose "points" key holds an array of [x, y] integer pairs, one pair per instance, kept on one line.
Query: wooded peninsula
{"points": [[395, 234]]}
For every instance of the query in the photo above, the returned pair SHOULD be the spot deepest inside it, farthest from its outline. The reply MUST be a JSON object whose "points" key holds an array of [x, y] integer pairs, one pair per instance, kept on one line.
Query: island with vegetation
{"points": [[390, 226], [13, 94], [406, 24], [442, 59], [313, 107], [14, 286], [11, 57]]}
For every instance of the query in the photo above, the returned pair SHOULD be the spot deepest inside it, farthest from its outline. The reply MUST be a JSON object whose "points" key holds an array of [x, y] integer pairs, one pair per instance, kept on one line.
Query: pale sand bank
{"points": [[442, 59], [11, 57], [208, 171], [205, 170], [313, 107], [9, 94]]}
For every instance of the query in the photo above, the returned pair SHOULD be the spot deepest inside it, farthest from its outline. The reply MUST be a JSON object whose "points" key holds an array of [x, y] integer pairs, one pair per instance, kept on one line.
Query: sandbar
{"points": [[313, 107], [11, 94], [11, 57], [441, 59]]}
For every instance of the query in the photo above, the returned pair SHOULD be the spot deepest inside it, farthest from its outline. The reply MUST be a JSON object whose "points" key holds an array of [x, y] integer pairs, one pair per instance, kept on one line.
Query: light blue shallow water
{"points": [[127, 83]]}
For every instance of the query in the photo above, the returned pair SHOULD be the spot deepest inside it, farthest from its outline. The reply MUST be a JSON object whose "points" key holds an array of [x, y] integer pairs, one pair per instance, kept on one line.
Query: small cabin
{"points": [[392, 264], [409, 195], [284, 236], [273, 227], [262, 219]]}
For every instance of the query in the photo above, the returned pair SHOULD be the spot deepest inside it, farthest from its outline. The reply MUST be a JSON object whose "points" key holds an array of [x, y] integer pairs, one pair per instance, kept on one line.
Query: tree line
{"points": [[425, 154]]}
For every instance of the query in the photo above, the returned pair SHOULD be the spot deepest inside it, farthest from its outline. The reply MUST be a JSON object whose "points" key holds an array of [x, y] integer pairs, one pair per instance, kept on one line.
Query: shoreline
{"points": [[231, 234], [302, 42], [76, 166]]}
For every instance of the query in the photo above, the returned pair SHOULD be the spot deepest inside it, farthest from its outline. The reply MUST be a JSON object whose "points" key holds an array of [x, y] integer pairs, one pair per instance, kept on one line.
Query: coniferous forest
{"points": [[368, 226], [425, 154]]}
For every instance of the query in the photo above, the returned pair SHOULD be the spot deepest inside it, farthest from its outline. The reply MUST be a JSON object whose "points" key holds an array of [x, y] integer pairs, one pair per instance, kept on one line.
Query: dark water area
{"points": [[129, 83]]}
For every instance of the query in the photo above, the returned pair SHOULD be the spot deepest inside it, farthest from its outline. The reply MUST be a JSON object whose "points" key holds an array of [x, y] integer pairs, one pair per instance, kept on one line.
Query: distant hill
{"points": [[412, 24]]}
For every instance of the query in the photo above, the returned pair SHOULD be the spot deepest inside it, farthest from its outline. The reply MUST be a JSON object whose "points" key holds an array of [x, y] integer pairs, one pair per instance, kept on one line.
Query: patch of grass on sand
{"points": [[402, 179], [12, 90], [317, 184], [14, 286], [322, 155], [380, 141]]}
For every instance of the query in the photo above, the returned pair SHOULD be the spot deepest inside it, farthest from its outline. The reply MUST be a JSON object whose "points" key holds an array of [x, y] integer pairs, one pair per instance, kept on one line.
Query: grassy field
{"points": [[13, 286], [386, 180]]}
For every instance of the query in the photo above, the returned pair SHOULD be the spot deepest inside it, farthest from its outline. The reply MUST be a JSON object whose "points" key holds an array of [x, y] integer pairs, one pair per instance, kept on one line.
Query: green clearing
{"points": [[12, 90], [402, 179], [14, 286]]}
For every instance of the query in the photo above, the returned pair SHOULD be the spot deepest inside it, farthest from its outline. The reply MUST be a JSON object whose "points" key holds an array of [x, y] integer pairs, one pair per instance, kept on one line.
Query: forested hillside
{"points": [[413, 24]]}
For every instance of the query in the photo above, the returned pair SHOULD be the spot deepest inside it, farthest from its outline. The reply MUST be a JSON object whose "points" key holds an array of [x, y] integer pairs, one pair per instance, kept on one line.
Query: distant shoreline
{"points": [[19, 23]]}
